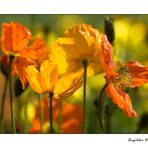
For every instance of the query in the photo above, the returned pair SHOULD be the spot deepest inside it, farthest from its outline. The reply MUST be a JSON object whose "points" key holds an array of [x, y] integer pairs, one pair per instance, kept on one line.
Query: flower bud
{"points": [[109, 29]]}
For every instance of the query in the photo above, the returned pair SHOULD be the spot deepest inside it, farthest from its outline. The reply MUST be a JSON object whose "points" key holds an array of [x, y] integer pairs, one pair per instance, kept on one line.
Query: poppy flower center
{"points": [[85, 61], [12, 54], [124, 76]]}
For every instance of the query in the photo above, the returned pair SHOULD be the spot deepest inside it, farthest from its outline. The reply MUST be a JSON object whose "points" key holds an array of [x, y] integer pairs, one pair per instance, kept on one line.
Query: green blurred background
{"points": [[131, 43]]}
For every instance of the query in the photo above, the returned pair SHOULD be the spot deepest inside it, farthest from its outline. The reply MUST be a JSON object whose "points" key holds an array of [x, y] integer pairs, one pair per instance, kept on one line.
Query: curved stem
{"points": [[11, 96], [41, 113], [84, 93], [3, 104], [100, 107], [51, 118]]}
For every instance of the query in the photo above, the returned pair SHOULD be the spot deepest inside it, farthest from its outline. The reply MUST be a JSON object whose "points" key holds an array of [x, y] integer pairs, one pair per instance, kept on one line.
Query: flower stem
{"points": [[51, 119], [41, 113], [60, 116], [84, 93], [11, 96], [100, 107], [2, 105]]}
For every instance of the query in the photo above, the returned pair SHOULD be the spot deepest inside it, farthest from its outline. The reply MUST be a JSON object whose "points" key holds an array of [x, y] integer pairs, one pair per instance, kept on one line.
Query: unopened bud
{"points": [[109, 29]]}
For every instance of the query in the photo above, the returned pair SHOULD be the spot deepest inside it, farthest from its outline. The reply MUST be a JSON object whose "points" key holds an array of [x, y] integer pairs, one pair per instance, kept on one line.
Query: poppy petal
{"points": [[59, 56], [121, 99], [67, 85], [80, 42], [6, 39], [21, 36], [19, 65], [54, 77], [86, 38], [49, 72], [106, 56], [139, 73], [42, 82], [32, 74], [35, 50]]}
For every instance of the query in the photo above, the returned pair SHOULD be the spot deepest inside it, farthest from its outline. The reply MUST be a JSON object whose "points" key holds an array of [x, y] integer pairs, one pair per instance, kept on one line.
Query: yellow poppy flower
{"points": [[47, 80], [80, 42]]}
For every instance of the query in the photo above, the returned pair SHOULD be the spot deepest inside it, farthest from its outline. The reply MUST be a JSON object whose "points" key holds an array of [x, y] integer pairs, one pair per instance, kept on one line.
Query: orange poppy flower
{"points": [[47, 80], [131, 74], [72, 117], [14, 41], [80, 42]]}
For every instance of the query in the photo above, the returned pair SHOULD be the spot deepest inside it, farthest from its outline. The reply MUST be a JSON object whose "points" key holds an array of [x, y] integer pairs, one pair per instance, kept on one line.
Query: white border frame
{"points": [[73, 6]]}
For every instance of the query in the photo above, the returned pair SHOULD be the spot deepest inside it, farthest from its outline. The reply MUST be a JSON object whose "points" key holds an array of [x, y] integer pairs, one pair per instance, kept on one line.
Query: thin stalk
{"points": [[84, 94], [11, 97], [41, 113], [60, 117], [3, 104], [100, 107], [51, 118]]}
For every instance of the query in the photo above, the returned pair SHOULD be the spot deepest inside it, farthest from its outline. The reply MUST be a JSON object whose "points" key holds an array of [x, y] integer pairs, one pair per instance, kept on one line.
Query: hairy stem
{"points": [[84, 93], [3, 104], [51, 114], [100, 107], [11, 96]]}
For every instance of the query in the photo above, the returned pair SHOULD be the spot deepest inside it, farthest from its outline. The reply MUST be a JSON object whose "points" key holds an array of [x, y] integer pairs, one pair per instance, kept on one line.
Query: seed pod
{"points": [[109, 29]]}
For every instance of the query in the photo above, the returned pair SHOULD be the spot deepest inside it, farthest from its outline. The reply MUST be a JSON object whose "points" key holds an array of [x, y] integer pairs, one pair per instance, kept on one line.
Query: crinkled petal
{"points": [[15, 37], [59, 56], [20, 36], [69, 46], [87, 39], [80, 42], [139, 73], [6, 39], [121, 99], [106, 56], [35, 50]]}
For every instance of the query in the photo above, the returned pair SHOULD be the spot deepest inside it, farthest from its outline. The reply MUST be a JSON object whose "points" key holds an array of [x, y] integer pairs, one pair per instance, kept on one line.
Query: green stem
{"points": [[2, 105], [11, 97], [51, 118], [41, 113], [100, 107], [84, 93], [60, 117]]}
